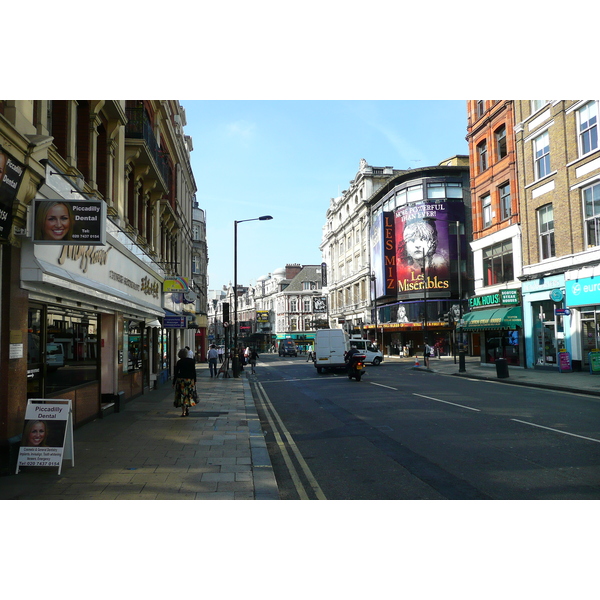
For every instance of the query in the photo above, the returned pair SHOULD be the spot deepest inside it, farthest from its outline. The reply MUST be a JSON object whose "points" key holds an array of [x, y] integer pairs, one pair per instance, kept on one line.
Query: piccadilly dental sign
{"points": [[583, 292]]}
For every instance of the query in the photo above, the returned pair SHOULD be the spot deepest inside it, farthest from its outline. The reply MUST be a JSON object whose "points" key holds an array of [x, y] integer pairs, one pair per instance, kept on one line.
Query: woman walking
{"points": [[184, 382]]}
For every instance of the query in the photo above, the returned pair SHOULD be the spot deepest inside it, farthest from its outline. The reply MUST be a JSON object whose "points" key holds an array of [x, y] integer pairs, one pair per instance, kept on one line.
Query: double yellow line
{"points": [[280, 432]]}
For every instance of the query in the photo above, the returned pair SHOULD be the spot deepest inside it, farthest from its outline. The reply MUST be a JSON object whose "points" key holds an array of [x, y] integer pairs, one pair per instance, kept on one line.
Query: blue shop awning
{"points": [[493, 318]]}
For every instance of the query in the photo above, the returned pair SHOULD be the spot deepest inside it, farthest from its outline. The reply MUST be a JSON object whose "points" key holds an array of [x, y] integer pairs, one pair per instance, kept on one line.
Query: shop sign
{"points": [[262, 316], [583, 292], [594, 357], [77, 222], [174, 322], [564, 362], [320, 304], [11, 174], [47, 434], [176, 284], [501, 298]]}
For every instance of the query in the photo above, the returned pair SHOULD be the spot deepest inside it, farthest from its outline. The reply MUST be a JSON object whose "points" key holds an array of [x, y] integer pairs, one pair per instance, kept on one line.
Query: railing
{"points": [[138, 127]]}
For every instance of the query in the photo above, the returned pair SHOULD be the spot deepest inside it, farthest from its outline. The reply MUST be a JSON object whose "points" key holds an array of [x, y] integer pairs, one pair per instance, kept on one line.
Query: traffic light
{"points": [[225, 312]]}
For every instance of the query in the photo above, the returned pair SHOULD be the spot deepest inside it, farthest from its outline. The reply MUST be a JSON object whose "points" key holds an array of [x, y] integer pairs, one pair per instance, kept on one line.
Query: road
{"points": [[402, 433]]}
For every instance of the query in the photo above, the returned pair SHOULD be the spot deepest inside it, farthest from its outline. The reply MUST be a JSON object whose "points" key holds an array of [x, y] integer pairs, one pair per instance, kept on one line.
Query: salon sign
{"points": [[47, 434]]}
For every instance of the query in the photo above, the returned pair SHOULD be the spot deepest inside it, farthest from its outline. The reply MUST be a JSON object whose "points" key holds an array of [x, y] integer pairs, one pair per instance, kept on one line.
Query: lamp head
{"points": [[265, 218]]}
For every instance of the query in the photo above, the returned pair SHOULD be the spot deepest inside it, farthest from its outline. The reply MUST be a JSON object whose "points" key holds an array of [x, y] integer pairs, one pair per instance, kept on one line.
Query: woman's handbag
{"points": [[195, 394]]}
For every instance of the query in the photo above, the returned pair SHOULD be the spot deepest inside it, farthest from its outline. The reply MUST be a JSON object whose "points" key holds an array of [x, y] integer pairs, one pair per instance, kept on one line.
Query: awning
{"points": [[494, 318]]}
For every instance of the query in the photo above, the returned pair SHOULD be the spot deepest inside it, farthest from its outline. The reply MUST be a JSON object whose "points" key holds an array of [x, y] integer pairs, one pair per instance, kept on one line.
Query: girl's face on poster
{"points": [[37, 434], [57, 223]]}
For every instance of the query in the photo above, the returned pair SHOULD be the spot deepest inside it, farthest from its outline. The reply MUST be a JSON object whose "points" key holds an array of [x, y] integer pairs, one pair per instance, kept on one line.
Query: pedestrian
{"points": [[212, 356], [241, 357], [253, 356], [310, 356], [190, 354], [184, 382], [221, 351], [428, 352]]}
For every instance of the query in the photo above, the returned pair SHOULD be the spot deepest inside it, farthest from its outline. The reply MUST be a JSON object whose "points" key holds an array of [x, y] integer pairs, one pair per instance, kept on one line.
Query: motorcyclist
{"points": [[349, 357]]}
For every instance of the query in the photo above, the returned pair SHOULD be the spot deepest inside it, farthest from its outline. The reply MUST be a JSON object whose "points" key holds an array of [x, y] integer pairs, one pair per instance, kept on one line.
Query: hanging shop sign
{"points": [[176, 284], [47, 434], [11, 174], [74, 222], [320, 304]]}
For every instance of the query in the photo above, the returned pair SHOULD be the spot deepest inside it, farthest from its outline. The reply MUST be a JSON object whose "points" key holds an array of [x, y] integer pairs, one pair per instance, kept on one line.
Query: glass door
{"points": [[545, 334], [35, 353], [589, 335]]}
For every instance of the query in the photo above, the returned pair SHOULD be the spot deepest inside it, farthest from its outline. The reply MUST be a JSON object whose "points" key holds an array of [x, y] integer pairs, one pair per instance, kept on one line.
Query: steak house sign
{"points": [[91, 255]]}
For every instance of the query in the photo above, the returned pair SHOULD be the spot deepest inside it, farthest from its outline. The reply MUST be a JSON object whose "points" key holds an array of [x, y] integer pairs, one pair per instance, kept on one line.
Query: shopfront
{"points": [[545, 321], [94, 324], [495, 324], [582, 299]]}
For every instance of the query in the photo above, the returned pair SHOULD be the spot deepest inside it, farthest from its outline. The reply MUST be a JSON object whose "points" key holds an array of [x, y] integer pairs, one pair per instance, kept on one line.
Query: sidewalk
{"points": [[582, 381], [149, 452]]}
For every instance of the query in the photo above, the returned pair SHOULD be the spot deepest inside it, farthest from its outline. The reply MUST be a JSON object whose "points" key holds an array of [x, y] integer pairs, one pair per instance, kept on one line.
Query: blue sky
{"points": [[288, 158]]}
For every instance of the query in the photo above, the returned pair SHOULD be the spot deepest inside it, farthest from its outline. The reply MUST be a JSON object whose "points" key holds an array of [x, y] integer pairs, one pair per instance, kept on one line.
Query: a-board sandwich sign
{"points": [[47, 434]]}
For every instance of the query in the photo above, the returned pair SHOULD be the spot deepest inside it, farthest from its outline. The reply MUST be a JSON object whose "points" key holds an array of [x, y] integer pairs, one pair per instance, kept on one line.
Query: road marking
{"points": [[446, 402], [270, 410], [385, 386], [557, 431]]}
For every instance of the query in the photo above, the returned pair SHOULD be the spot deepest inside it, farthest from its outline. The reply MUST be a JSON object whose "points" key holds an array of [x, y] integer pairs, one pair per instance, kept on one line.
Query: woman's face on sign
{"points": [[57, 223], [37, 434]]}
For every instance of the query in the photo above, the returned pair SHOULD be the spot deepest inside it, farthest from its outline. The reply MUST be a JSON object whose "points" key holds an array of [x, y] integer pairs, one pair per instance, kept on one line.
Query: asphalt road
{"points": [[407, 434]]}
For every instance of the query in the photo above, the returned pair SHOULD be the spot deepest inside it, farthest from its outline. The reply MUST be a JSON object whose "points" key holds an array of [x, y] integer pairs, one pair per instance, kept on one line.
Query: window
{"points": [[482, 156], [537, 104], [306, 304], [480, 108], [486, 209], [436, 190], [588, 127], [414, 193], [454, 190], [401, 198], [505, 201], [546, 231], [591, 201], [293, 306], [541, 148], [500, 135], [498, 263]]}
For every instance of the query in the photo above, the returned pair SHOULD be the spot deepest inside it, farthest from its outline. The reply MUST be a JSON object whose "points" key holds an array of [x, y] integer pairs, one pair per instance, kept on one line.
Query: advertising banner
{"points": [[424, 246], [47, 434], [262, 316], [176, 284], [11, 174], [383, 255], [73, 222]]}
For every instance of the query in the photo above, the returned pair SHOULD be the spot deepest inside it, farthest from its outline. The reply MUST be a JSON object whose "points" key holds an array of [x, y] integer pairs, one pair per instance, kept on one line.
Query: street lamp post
{"points": [[235, 365]]}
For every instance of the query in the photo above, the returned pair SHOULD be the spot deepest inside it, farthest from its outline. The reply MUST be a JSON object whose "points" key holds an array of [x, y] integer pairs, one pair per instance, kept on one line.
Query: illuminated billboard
{"points": [[74, 222], [425, 247], [383, 256]]}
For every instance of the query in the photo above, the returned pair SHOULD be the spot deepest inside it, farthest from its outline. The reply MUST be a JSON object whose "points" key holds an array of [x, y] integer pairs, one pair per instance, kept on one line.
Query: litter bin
{"points": [[501, 368]]}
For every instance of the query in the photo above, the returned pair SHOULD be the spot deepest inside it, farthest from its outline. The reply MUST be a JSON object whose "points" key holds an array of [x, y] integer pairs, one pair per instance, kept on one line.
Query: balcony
{"points": [[138, 127]]}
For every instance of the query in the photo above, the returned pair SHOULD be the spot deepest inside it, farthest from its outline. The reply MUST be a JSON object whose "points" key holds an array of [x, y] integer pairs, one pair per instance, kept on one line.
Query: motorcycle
{"points": [[356, 366]]}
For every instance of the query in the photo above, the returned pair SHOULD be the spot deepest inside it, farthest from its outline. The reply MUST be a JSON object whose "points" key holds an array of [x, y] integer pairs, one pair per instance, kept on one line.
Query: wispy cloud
{"points": [[241, 129]]}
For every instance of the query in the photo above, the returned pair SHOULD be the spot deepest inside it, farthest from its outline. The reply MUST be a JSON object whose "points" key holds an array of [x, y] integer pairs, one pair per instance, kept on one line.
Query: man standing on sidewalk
{"points": [[212, 356]]}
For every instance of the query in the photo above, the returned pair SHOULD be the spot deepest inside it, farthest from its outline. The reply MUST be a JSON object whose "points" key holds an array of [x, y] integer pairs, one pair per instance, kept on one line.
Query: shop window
{"points": [[502, 344], [132, 346], [71, 349]]}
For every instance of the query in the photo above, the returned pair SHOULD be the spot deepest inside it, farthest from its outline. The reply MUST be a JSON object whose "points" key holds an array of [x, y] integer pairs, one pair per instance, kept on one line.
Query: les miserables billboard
{"points": [[425, 247]]}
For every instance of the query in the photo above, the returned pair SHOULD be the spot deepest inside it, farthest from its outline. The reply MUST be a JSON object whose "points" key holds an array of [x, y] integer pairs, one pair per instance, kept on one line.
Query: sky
{"points": [[288, 159]]}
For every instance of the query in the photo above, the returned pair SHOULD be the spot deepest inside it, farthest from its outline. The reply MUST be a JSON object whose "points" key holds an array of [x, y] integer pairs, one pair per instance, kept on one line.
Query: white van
{"points": [[330, 347], [55, 357], [374, 355]]}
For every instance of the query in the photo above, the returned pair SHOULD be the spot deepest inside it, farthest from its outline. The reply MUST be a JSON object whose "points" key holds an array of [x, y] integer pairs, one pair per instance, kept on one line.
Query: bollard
{"points": [[461, 362], [235, 366]]}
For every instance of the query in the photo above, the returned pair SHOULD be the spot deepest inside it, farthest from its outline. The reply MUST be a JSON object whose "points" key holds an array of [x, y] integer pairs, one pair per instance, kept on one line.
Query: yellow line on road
{"points": [[269, 408]]}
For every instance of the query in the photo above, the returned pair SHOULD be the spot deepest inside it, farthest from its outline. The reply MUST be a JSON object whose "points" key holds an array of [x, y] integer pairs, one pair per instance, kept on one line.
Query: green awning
{"points": [[493, 318]]}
